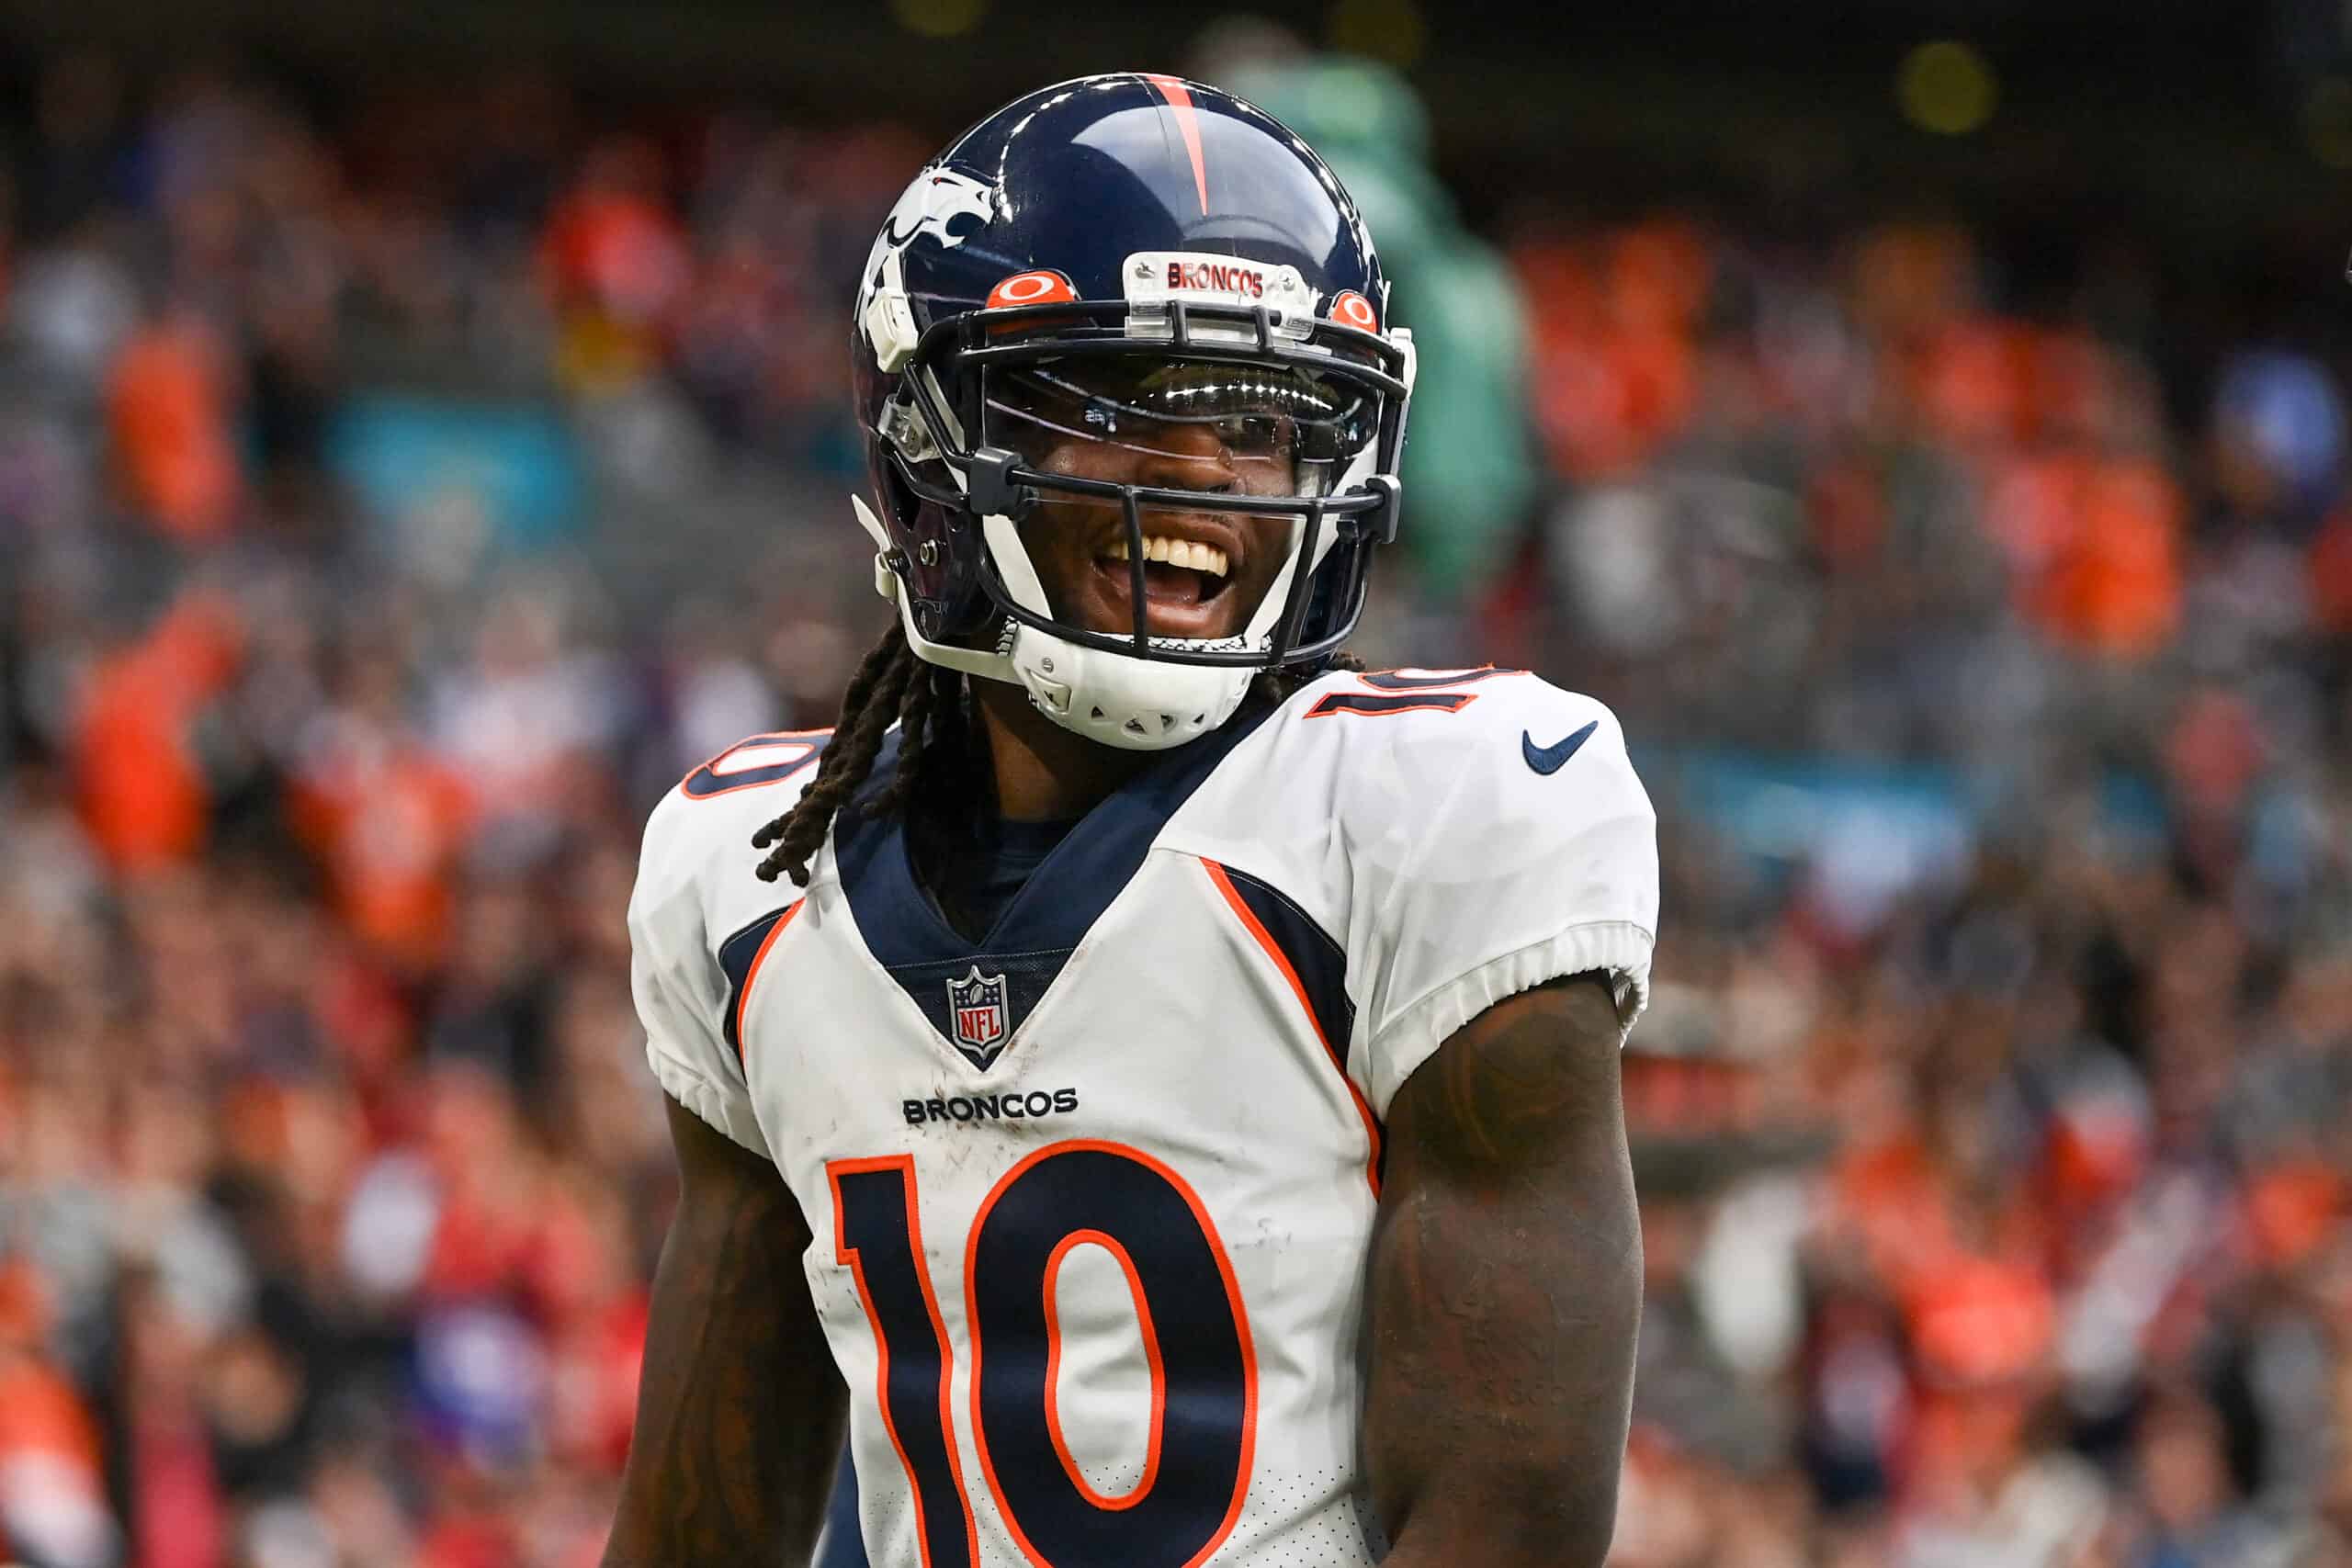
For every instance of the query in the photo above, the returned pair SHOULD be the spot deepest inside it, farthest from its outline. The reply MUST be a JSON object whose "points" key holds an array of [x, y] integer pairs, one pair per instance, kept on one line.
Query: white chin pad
{"points": [[1134, 704]]}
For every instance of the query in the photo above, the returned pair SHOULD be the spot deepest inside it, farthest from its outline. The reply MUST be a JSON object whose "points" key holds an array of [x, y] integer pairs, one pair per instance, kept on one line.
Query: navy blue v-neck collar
{"points": [[1032, 938]]}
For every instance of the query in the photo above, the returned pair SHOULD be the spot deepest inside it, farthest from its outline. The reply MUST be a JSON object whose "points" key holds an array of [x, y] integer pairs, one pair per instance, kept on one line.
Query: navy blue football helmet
{"points": [[1116, 256]]}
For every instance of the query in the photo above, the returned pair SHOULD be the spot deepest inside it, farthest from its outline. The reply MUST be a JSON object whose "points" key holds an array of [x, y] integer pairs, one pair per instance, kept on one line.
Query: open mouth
{"points": [[1174, 570], [1178, 574]]}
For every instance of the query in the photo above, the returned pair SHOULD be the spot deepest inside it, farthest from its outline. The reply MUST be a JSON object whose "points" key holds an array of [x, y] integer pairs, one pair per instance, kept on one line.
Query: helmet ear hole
{"points": [[944, 586]]}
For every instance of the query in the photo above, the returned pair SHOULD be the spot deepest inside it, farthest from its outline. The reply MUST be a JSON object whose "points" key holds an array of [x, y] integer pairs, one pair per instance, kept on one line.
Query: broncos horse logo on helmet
{"points": [[1108, 257]]}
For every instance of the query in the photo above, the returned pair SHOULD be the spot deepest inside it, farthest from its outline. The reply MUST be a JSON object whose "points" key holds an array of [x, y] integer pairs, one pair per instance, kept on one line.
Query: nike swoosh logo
{"points": [[1549, 759]]}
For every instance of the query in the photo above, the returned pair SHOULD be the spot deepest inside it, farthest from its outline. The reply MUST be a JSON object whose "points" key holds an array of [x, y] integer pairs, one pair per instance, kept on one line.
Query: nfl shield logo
{"points": [[977, 1004]]}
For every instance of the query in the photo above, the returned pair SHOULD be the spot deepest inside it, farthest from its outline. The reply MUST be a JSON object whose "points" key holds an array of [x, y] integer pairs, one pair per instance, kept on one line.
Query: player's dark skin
{"points": [[1505, 1276], [740, 1413]]}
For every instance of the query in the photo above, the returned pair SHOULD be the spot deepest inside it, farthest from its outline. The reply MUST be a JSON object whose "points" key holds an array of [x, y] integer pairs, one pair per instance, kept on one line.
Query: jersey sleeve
{"points": [[1481, 874], [680, 989]]}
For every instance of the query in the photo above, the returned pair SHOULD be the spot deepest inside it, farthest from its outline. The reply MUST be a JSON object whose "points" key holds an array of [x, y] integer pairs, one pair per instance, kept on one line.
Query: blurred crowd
{"points": [[2027, 1236], [2016, 1229]]}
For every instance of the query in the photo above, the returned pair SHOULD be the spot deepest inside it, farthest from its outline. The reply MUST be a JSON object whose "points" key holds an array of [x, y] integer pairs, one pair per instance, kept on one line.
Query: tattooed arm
{"points": [[739, 1411], [1505, 1292]]}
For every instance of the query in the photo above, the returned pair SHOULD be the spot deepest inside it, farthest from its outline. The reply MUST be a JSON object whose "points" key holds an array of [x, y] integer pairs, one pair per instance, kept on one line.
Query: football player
{"points": [[1152, 1084]]}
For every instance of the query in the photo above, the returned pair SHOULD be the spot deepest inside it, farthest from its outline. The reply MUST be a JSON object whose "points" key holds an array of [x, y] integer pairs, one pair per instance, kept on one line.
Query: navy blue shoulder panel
{"points": [[737, 956], [1316, 957], [1042, 926]]}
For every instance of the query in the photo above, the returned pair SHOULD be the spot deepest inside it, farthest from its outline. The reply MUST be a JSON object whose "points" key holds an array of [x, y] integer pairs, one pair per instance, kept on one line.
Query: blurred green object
{"points": [[1469, 464]]}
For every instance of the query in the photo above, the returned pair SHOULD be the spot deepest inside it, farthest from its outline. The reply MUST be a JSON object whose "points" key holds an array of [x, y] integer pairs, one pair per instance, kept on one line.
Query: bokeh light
{"points": [[2327, 121], [1946, 87], [1393, 30], [939, 19]]}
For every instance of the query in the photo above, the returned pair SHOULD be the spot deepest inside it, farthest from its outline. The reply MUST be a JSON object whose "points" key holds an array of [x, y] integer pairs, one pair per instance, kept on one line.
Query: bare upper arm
{"points": [[711, 1164], [1506, 1289], [1528, 1085], [740, 1410]]}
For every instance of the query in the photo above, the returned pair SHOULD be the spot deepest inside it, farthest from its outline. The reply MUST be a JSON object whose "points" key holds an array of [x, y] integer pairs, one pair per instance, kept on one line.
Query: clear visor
{"points": [[1185, 424]]}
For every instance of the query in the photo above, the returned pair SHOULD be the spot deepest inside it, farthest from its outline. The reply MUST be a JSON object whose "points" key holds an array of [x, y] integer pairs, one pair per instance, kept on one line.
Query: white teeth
{"points": [[1188, 553], [1193, 554]]}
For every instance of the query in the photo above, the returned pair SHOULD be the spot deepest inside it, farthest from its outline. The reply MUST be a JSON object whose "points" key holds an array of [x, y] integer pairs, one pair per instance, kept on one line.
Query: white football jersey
{"points": [[1091, 1197]]}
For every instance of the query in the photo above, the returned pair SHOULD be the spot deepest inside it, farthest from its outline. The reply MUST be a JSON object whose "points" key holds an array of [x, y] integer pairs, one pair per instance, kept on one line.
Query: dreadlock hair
{"points": [[936, 739]]}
